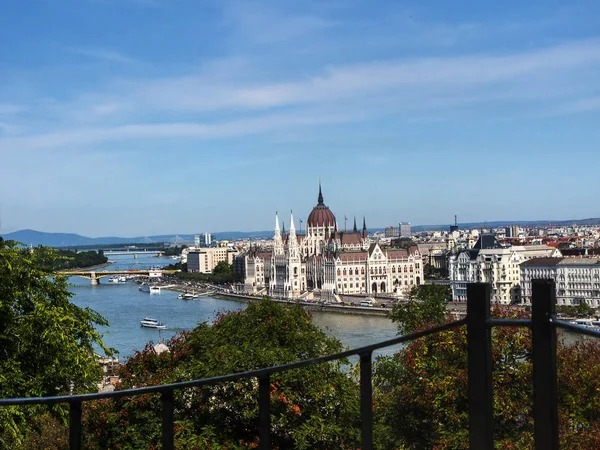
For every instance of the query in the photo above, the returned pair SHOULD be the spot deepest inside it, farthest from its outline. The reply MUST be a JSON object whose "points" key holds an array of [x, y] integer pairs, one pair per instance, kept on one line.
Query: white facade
{"points": [[204, 260], [577, 279], [331, 262], [497, 266]]}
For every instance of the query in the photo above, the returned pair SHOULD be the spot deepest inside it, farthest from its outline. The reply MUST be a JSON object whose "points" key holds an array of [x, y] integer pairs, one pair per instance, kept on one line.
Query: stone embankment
{"points": [[334, 308]]}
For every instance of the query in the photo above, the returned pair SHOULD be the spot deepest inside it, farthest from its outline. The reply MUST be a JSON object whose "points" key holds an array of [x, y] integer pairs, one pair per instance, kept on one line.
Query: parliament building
{"points": [[327, 262]]}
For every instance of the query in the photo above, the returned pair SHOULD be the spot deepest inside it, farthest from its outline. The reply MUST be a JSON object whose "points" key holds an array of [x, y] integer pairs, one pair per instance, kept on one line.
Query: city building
{"points": [[404, 229], [489, 262], [577, 279], [392, 232], [330, 263], [205, 259], [203, 240], [512, 231]]}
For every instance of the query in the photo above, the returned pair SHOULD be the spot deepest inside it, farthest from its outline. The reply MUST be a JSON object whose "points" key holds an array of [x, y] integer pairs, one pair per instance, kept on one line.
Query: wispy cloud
{"points": [[8, 109], [103, 54], [221, 101]]}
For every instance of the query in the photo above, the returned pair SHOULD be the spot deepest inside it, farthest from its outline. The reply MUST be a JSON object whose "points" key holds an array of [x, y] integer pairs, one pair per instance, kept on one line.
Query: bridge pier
{"points": [[95, 281]]}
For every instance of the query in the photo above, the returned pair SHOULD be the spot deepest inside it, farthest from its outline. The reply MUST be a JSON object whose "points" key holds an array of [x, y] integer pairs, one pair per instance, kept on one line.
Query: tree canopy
{"points": [[46, 342], [421, 391], [426, 305], [312, 408]]}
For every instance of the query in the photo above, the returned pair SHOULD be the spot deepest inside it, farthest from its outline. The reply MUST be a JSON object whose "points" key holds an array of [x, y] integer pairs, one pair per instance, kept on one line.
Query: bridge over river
{"points": [[94, 276]]}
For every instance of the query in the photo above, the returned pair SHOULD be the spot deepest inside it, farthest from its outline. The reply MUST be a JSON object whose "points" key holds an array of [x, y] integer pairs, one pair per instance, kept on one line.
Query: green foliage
{"points": [[68, 259], [426, 306], [46, 342], [403, 242], [222, 274], [421, 392], [575, 310], [222, 268], [312, 408], [432, 273], [173, 251]]}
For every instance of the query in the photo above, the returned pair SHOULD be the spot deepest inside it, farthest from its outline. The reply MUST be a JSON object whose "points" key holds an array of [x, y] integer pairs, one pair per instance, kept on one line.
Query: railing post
{"points": [[479, 346], [545, 397], [264, 411], [168, 433], [75, 425], [366, 400]]}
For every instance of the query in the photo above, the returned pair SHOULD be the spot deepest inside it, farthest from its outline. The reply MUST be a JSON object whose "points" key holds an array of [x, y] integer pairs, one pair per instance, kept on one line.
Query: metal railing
{"points": [[480, 395]]}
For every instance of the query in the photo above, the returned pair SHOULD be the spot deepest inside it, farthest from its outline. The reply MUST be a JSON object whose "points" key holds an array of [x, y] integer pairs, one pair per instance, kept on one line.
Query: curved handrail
{"points": [[257, 373]]}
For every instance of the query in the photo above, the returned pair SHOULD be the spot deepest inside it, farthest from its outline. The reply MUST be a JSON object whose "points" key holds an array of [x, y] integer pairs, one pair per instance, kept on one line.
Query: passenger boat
{"points": [[154, 289], [187, 296], [147, 322]]}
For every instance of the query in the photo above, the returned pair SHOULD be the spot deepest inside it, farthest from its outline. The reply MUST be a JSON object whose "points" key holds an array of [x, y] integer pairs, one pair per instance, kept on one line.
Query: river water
{"points": [[124, 305]]}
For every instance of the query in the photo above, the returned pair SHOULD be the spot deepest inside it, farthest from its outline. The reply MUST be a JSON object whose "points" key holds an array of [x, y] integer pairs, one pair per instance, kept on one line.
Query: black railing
{"points": [[480, 394]]}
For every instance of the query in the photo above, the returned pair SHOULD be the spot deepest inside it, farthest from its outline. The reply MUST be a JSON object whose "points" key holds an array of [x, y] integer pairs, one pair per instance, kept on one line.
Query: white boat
{"points": [[187, 296], [147, 322], [154, 289]]}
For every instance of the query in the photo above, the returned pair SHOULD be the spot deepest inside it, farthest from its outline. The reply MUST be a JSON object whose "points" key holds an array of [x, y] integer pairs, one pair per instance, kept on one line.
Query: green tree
{"points": [[312, 408], [222, 268], [46, 342], [421, 392], [426, 306]]}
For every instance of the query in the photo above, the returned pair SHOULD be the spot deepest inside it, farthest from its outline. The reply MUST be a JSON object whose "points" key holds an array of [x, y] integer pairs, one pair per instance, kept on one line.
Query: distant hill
{"points": [[498, 224], [32, 237]]}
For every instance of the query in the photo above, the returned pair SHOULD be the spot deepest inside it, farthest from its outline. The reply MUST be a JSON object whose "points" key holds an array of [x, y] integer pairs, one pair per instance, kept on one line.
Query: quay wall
{"points": [[357, 310]]}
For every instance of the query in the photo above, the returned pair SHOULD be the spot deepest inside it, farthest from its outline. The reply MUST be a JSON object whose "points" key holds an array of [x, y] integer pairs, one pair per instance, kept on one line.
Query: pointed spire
{"points": [[277, 241], [292, 226], [364, 230], [355, 229], [293, 249], [320, 199]]}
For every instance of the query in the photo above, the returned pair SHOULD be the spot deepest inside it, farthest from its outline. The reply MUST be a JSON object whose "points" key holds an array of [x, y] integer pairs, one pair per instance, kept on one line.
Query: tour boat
{"points": [[154, 289], [147, 322]]}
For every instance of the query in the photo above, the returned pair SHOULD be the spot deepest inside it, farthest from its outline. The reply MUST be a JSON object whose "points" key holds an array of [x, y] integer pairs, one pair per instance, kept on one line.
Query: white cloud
{"points": [[221, 101], [103, 54], [9, 109]]}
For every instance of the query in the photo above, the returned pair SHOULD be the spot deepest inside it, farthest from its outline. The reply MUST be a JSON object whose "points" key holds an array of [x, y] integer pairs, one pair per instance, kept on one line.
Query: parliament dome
{"points": [[320, 215]]}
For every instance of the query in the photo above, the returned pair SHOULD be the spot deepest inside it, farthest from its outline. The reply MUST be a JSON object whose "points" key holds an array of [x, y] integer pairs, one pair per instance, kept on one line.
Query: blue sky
{"points": [[141, 117]]}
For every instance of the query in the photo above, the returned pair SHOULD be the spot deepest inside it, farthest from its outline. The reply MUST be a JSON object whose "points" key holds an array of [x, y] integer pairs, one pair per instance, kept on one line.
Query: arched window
{"points": [[344, 272], [405, 269], [356, 271], [380, 271], [362, 271], [393, 269], [295, 271], [339, 272]]}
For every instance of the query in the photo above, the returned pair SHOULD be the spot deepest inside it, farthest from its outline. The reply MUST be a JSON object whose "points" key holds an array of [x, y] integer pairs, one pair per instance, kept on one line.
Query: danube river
{"points": [[124, 305]]}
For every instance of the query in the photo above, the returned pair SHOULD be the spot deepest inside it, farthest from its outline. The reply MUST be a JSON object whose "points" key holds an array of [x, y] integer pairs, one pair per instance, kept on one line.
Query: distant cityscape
{"points": [[328, 263]]}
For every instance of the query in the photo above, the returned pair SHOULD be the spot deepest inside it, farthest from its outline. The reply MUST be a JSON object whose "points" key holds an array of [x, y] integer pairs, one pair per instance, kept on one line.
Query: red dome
{"points": [[321, 215]]}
